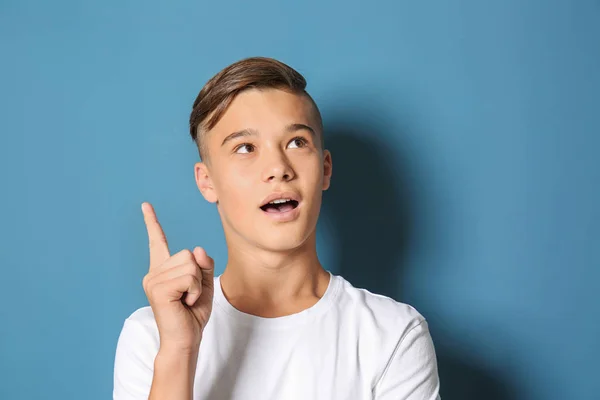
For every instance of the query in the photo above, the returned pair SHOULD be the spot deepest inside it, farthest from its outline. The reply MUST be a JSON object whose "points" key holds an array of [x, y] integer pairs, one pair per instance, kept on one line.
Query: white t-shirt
{"points": [[352, 344]]}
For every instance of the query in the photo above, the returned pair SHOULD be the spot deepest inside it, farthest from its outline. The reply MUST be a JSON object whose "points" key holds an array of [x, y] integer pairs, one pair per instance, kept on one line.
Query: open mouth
{"points": [[280, 206]]}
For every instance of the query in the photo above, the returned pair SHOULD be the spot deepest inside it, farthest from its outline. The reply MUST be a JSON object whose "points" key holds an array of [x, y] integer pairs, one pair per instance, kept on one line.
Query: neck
{"points": [[264, 282]]}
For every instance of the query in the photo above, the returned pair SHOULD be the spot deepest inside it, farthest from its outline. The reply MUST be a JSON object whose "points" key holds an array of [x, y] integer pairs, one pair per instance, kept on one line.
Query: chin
{"points": [[280, 243], [281, 240], [274, 236]]}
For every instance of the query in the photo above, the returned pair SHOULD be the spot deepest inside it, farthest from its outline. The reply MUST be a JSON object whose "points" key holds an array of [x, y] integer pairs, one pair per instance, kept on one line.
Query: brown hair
{"points": [[249, 73]]}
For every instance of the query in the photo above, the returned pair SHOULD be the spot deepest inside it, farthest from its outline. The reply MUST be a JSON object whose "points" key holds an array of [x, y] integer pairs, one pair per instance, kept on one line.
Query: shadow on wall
{"points": [[369, 207]]}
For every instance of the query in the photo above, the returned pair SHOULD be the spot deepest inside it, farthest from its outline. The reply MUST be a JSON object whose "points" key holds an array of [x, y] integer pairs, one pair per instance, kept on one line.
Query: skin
{"points": [[180, 291], [273, 268]]}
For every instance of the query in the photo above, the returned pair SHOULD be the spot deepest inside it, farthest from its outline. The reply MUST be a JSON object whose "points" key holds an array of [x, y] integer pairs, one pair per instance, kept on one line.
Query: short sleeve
{"points": [[134, 361], [411, 373]]}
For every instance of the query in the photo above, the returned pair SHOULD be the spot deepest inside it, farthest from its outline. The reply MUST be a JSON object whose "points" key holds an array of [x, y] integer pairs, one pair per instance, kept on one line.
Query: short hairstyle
{"points": [[249, 73]]}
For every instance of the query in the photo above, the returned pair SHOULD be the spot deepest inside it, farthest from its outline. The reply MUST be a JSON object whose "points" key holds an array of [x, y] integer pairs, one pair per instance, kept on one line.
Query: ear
{"points": [[327, 169], [204, 182]]}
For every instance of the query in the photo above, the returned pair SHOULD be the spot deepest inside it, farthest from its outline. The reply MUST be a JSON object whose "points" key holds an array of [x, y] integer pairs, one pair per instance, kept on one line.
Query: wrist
{"points": [[176, 363], [174, 372], [176, 351]]}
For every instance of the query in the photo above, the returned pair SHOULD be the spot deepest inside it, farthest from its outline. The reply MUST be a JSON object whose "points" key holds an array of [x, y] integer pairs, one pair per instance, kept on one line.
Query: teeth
{"points": [[278, 201]]}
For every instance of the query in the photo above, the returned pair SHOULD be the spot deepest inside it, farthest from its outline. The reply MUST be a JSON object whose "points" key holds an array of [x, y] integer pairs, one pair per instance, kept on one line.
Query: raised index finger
{"points": [[159, 248]]}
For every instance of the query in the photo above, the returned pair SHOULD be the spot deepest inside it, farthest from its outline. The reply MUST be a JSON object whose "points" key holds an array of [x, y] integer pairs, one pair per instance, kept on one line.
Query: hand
{"points": [[179, 288]]}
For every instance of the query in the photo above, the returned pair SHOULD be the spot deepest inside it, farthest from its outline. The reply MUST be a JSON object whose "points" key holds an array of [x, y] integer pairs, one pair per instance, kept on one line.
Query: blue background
{"points": [[465, 139]]}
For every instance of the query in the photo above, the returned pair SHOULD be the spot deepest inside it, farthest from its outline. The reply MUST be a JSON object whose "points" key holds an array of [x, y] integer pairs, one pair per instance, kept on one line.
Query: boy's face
{"points": [[268, 143]]}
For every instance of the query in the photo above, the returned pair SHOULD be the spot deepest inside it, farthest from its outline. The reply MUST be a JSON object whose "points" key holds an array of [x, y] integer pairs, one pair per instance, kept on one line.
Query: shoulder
{"points": [[377, 309], [142, 316], [390, 335], [137, 347], [140, 330]]}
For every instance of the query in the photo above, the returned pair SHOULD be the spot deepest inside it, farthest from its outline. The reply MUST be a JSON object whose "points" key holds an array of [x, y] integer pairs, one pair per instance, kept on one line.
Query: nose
{"points": [[278, 168]]}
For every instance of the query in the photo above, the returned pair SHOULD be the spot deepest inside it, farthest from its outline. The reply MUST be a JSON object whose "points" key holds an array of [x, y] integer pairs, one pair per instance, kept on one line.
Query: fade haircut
{"points": [[249, 73]]}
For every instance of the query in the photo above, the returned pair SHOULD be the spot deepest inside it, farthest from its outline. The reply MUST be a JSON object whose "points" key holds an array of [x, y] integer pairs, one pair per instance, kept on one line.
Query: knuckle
{"points": [[152, 291], [188, 254], [191, 269], [148, 282], [157, 289], [190, 280], [185, 255]]}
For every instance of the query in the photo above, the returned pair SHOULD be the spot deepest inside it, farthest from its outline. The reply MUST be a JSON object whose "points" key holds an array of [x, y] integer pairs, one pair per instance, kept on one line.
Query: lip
{"points": [[281, 195], [283, 216]]}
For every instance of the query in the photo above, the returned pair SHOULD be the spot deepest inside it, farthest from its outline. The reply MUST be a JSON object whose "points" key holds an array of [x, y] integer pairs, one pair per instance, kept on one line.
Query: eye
{"points": [[244, 148], [298, 142]]}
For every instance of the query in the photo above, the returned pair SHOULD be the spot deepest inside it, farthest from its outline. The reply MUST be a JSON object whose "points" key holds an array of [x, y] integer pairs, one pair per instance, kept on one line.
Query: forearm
{"points": [[173, 375]]}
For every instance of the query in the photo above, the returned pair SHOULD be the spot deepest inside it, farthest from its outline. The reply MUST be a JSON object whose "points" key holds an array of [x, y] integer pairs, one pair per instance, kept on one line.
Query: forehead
{"points": [[266, 110]]}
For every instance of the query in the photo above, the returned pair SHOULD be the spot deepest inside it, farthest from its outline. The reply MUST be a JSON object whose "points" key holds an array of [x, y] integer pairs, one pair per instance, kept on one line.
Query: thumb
{"points": [[207, 266]]}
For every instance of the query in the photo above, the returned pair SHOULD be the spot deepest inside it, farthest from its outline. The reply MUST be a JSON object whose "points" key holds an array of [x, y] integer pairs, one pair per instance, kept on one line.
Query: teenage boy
{"points": [[276, 324]]}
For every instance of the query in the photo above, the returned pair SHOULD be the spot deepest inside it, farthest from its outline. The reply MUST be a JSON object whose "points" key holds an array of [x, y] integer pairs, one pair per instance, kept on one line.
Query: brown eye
{"points": [[297, 142], [244, 148]]}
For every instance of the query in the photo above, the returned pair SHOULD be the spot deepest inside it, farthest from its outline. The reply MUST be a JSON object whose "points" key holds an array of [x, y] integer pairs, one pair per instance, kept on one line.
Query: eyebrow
{"points": [[298, 127], [253, 132], [242, 133]]}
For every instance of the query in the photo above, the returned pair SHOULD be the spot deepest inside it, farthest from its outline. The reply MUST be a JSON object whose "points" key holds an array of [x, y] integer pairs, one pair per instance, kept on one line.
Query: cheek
{"points": [[236, 187], [312, 172]]}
